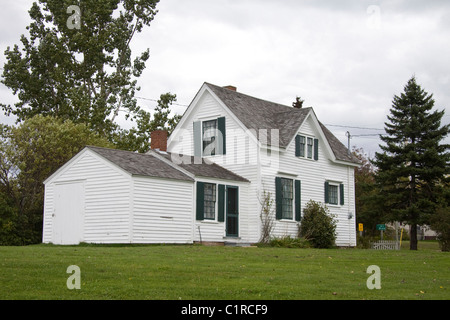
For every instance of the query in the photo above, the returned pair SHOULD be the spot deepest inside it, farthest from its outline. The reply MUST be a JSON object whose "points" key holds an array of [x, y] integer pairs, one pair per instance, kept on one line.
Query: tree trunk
{"points": [[413, 237]]}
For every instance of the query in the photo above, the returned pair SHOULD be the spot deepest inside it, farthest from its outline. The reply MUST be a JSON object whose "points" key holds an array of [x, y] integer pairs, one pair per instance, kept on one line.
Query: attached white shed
{"points": [[112, 196]]}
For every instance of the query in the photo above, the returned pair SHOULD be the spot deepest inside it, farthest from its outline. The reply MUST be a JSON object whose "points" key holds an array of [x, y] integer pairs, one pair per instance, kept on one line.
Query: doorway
{"points": [[232, 211]]}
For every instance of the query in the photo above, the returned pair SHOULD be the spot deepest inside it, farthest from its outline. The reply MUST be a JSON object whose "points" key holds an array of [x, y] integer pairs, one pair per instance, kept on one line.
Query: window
{"points": [[334, 193], [209, 137], [310, 144], [209, 134], [310, 147], [287, 196], [207, 193], [210, 201], [286, 192], [302, 146]]}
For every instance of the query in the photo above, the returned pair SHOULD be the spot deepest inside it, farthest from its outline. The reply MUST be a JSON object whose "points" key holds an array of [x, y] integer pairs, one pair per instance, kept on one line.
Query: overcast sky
{"points": [[347, 59]]}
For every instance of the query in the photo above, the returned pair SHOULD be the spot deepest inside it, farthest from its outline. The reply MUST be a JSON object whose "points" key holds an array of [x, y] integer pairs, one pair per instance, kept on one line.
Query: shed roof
{"points": [[151, 165], [140, 164], [204, 169]]}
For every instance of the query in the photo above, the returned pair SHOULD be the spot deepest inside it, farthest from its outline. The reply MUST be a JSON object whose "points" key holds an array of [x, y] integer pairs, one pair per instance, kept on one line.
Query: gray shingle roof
{"points": [[151, 166], [203, 169], [258, 114], [140, 164]]}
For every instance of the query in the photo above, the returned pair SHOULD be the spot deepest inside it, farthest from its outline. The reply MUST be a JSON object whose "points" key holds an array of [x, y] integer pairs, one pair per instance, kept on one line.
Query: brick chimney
{"points": [[159, 140], [232, 88]]}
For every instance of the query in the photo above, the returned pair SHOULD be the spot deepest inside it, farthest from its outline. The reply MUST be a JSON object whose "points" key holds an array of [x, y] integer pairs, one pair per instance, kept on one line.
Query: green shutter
{"points": [[200, 201], [297, 146], [341, 193], [326, 192], [278, 198], [297, 200], [316, 149], [222, 140], [198, 139], [221, 203]]}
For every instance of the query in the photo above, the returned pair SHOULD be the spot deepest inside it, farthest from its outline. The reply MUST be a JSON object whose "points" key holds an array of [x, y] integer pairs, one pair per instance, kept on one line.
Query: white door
{"points": [[68, 216]]}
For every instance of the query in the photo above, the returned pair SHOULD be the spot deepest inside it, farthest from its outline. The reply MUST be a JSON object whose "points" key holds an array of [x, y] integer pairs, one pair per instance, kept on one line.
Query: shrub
{"points": [[441, 224], [318, 225]]}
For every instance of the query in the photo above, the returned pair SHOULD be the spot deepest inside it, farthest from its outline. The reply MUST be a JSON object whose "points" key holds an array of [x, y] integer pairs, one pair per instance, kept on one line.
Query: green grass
{"points": [[199, 272]]}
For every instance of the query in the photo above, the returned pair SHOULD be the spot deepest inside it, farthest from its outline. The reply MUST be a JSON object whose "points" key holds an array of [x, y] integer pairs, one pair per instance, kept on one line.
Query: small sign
{"points": [[360, 227], [381, 227]]}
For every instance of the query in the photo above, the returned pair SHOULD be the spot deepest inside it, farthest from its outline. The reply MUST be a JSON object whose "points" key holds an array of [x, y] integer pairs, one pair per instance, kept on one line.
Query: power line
{"points": [[366, 135], [154, 100], [352, 127]]}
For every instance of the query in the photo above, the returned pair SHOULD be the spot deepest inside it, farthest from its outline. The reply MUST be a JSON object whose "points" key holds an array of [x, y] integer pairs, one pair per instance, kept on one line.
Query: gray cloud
{"points": [[347, 59]]}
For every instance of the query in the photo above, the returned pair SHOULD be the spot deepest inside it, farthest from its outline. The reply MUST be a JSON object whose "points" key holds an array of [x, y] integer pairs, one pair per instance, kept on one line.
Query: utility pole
{"points": [[349, 136]]}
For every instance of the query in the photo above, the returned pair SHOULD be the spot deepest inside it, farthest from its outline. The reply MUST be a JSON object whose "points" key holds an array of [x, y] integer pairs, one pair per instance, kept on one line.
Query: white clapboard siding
{"points": [[107, 199], [162, 210], [313, 175]]}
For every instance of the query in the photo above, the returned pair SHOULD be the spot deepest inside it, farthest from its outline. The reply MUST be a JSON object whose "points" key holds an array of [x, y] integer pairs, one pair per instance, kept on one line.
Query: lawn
{"points": [[231, 273]]}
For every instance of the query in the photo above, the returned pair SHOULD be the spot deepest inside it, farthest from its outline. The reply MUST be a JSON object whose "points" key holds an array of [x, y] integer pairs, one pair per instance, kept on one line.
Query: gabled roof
{"points": [[259, 114], [256, 114], [151, 165]]}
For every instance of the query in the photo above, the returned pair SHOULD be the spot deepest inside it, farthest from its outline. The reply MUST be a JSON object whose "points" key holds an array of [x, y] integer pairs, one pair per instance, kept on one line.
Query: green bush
{"points": [[318, 225], [440, 223]]}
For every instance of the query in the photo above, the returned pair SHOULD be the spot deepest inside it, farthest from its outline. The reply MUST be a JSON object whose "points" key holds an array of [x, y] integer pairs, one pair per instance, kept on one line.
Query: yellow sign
{"points": [[360, 227]]}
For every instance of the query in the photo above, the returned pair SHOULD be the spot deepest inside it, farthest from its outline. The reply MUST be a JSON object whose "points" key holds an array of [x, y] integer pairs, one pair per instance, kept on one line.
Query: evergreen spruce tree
{"points": [[413, 165]]}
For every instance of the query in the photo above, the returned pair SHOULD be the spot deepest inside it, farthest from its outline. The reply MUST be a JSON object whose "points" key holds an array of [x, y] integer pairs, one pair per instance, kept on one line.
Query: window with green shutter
{"points": [[207, 196], [334, 193], [210, 137], [287, 197], [306, 147], [209, 201], [300, 142], [284, 198]]}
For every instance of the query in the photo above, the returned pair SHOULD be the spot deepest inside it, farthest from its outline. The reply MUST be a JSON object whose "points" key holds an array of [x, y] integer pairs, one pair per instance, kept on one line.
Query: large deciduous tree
{"points": [[414, 163], [76, 63]]}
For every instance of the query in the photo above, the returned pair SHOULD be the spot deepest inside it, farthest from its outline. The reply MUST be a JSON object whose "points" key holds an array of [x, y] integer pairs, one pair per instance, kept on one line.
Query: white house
{"points": [[113, 196], [228, 149]]}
